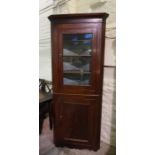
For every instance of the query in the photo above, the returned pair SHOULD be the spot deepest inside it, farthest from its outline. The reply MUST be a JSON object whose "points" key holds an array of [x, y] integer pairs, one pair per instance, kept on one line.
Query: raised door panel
{"points": [[77, 58], [77, 121]]}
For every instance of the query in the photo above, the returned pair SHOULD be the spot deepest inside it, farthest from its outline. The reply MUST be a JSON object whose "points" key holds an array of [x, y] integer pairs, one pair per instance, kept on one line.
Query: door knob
{"points": [[60, 116]]}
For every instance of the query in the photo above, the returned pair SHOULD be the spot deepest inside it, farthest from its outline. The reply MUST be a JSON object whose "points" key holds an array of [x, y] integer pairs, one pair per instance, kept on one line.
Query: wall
{"points": [[48, 7]]}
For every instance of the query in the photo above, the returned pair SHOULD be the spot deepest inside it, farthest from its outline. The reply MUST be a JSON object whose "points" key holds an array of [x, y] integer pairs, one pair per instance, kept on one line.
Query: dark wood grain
{"points": [[85, 16], [77, 109]]}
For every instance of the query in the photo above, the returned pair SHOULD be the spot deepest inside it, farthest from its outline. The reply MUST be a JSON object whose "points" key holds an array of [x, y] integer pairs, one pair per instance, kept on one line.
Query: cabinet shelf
{"points": [[77, 40], [76, 72], [76, 55]]}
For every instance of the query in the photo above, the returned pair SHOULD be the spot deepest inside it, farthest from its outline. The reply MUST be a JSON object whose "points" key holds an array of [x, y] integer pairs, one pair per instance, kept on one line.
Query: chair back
{"points": [[44, 86]]}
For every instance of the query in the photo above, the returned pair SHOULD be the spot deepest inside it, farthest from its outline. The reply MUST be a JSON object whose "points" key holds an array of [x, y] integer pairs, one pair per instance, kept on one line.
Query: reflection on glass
{"points": [[77, 53], [76, 79], [76, 63]]}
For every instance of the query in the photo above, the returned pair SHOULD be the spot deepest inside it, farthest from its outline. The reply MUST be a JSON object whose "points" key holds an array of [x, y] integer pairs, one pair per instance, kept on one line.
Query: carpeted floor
{"points": [[46, 146]]}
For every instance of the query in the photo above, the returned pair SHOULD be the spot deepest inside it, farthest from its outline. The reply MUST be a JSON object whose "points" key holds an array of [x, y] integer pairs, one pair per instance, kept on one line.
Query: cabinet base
{"points": [[78, 146]]}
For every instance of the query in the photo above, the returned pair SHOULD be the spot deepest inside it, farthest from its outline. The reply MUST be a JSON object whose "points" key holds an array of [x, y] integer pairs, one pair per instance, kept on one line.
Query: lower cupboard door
{"points": [[78, 122]]}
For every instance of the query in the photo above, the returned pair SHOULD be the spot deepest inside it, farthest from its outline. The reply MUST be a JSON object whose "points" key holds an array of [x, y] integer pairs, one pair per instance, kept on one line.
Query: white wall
{"points": [[44, 45], [80, 6]]}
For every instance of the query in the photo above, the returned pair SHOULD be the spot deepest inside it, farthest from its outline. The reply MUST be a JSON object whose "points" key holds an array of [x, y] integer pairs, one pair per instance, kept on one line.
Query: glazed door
{"points": [[77, 56], [77, 120]]}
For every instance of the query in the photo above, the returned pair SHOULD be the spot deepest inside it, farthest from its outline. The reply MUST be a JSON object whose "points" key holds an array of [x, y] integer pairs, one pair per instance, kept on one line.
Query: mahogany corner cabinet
{"points": [[77, 69]]}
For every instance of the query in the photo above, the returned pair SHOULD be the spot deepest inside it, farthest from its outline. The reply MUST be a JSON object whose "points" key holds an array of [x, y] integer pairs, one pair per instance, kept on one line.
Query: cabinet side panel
{"points": [[56, 61]]}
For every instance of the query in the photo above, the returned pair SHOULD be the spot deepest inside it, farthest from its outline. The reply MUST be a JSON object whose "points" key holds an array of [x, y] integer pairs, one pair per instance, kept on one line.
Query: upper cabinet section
{"points": [[78, 53]]}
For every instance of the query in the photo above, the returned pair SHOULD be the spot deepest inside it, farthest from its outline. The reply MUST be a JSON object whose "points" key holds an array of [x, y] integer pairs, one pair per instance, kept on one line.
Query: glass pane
{"points": [[77, 58]]}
